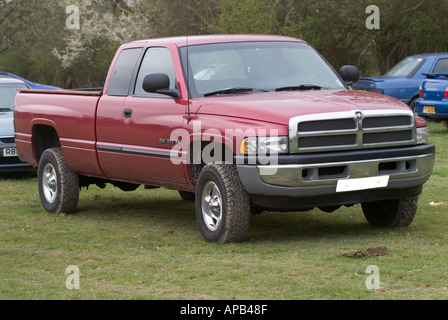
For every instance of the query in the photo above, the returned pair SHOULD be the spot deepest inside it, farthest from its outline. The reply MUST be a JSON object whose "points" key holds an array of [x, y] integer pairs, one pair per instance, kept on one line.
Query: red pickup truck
{"points": [[241, 124]]}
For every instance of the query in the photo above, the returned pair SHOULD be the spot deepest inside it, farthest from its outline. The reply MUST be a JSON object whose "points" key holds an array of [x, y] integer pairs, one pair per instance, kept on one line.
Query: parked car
{"points": [[433, 103], [9, 159], [31, 85], [403, 80]]}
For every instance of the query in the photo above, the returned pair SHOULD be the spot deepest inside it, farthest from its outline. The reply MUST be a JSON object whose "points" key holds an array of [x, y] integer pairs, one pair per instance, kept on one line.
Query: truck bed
{"points": [[73, 119]]}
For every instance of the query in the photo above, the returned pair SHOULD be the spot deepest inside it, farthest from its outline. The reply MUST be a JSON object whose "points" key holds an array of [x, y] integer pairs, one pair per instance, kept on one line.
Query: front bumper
{"points": [[313, 180]]}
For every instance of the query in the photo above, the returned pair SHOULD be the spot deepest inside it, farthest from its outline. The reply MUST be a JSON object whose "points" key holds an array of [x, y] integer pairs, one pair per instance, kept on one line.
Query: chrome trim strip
{"points": [[159, 154], [107, 148]]}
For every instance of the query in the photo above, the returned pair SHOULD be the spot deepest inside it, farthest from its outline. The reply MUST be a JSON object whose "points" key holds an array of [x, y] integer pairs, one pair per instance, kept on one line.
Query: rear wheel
{"points": [[58, 184], [222, 205], [391, 213]]}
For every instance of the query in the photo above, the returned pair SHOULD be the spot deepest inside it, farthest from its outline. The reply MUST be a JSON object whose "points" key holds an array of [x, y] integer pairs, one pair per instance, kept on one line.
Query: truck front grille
{"points": [[350, 130]]}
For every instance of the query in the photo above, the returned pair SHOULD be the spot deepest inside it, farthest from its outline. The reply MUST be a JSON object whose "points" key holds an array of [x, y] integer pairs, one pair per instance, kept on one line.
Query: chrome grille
{"points": [[350, 130], [327, 125], [387, 137], [326, 141], [386, 122]]}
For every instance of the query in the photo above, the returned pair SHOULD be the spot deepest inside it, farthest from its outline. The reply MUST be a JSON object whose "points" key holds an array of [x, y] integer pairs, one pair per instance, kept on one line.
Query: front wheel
{"points": [[222, 205], [391, 213], [58, 184]]}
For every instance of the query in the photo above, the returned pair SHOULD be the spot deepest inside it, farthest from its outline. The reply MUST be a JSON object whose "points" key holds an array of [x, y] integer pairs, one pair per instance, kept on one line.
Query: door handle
{"points": [[127, 113]]}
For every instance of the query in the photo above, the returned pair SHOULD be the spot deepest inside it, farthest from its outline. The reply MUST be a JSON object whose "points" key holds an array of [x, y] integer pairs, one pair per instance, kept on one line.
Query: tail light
{"points": [[421, 90], [445, 93]]}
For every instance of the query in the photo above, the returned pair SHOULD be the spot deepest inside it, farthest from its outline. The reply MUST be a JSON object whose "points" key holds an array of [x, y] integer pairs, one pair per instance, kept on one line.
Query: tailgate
{"points": [[433, 89]]}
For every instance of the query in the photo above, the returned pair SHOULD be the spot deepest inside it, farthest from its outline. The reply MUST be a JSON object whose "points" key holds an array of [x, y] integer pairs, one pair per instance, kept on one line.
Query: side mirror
{"points": [[159, 83], [349, 74]]}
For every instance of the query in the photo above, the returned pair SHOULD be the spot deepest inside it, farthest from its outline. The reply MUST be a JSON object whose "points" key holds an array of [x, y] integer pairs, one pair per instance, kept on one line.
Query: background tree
{"points": [[35, 43]]}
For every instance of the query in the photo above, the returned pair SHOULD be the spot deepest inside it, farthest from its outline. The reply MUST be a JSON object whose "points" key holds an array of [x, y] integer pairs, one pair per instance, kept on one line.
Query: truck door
{"points": [[148, 121], [110, 115]]}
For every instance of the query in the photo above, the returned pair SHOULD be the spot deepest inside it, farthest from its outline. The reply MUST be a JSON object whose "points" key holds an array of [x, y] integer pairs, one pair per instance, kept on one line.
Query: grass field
{"points": [[146, 245]]}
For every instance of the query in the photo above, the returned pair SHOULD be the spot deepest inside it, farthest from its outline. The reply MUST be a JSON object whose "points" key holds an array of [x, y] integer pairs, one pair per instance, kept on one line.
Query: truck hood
{"points": [[6, 124], [280, 107]]}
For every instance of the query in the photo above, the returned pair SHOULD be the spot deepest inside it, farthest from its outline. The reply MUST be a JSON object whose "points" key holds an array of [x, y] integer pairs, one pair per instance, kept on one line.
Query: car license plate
{"points": [[10, 152], [429, 109], [348, 185]]}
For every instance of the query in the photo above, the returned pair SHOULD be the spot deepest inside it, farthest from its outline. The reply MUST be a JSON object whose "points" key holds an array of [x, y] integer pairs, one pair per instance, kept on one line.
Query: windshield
{"points": [[406, 68], [247, 67], [8, 94]]}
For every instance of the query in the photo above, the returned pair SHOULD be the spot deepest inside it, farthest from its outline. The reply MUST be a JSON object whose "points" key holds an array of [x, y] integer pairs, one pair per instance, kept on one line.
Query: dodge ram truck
{"points": [[240, 124]]}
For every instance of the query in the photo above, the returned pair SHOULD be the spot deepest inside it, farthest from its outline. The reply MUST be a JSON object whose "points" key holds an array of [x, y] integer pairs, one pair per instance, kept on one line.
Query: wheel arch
{"points": [[196, 162], [44, 137]]}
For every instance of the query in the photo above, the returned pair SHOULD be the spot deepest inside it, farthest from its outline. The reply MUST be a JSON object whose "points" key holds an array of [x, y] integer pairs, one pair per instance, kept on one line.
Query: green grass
{"points": [[146, 245]]}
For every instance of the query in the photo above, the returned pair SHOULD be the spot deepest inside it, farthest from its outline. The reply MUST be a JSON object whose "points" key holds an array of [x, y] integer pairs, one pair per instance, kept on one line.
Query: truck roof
{"points": [[181, 41]]}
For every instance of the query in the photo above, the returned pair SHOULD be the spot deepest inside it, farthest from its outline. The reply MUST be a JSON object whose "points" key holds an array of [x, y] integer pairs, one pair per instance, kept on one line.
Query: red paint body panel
{"points": [[264, 106], [152, 119], [73, 118]]}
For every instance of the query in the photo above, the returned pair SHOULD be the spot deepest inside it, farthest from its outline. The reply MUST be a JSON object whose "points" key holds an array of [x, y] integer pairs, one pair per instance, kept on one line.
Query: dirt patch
{"points": [[377, 251], [370, 252]]}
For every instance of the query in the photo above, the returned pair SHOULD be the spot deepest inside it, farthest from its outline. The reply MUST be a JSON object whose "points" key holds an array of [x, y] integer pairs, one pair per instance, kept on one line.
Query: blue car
{"points": [[9, 159], [403, 80], [31, 85], [433, 103]]}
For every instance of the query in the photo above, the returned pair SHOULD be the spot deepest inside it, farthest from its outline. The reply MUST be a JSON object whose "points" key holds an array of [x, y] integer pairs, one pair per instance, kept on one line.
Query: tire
{"points": [[222, 205], [58, 184], [445, 123], [391, 213], [187, 196]]}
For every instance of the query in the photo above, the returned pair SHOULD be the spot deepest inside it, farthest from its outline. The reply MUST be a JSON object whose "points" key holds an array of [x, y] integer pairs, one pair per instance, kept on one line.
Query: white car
{"points": [[9, 159]]}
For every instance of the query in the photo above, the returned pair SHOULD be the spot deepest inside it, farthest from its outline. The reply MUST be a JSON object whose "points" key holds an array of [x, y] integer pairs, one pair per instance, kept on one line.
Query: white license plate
{"points": [[362, 184], [10, 152]]}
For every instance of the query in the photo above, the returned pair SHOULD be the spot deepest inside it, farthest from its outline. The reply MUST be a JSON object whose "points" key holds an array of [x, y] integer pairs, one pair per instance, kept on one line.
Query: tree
{"points": [[26, 40], [248, 16]]}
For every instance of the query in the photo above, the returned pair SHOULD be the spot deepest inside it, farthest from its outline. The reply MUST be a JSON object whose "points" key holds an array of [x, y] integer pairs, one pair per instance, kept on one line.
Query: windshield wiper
{"points": [[301, 87], [231, 91]]}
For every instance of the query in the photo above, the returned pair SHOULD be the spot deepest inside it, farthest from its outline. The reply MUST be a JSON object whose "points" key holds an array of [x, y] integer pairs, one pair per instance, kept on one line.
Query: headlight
{"points": [[423, 135], [264, 145]]}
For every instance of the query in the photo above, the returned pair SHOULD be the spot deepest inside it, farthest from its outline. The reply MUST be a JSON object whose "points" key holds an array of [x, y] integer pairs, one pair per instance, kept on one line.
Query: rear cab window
{"points": [[122, 74]]}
